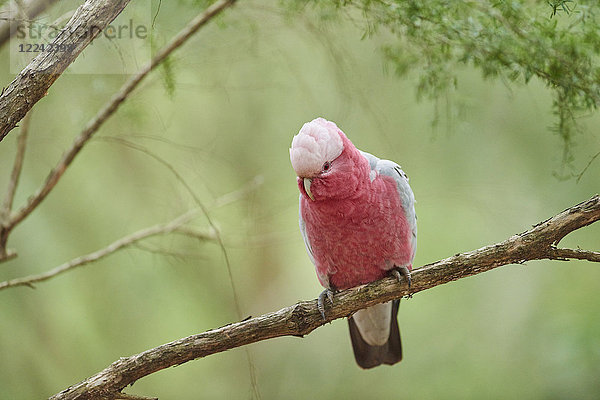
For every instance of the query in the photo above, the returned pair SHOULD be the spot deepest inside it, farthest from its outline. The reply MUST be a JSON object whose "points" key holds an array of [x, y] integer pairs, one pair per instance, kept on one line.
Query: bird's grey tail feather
{"points": [[368, 356]]}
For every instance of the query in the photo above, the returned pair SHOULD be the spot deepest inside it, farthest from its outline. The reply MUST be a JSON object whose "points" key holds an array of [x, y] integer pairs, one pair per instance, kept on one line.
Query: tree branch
{"points": [[6, 208], [9, 222], [17, 167], [108, 110], [577, 254], [175, 225], [303, 317], [34, 81]]}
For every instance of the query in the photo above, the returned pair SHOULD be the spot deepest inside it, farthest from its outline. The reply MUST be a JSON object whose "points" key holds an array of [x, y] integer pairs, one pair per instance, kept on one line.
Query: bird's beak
{"points": [[307, 182]]}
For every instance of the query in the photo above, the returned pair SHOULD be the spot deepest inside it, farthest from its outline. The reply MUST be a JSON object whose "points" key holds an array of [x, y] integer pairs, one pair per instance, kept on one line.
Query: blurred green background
{"points": [[225, 114]]}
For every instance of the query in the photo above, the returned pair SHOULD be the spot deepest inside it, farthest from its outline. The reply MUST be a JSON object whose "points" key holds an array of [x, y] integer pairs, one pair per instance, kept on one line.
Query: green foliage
{"points": [[168, 76], [559, 5], [513, 40], [166, 67]]}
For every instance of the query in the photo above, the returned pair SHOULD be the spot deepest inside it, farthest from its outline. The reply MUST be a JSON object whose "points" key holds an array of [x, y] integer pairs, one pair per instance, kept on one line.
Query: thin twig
{"points": [[234, 196], [6, 208], [217, 234], [586, 167], [198, 202], [17, 167], [125, 396], [161, 229], [179, 255], [196, 233], [176, 226], [302, 318], [109, 109], [577, 254]]}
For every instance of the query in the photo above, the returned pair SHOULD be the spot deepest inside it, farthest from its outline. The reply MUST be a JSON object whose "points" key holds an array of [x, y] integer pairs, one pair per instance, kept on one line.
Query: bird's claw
{"points": [[400, 272], [321, 301]]}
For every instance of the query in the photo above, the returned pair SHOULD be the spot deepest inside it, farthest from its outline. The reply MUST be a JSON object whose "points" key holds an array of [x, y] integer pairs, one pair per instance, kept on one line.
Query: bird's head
{"points": [[325, 161]]}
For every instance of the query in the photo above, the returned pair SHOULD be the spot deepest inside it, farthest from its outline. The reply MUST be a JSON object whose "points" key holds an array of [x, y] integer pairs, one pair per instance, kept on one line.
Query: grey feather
{"points": [[371, 158]]}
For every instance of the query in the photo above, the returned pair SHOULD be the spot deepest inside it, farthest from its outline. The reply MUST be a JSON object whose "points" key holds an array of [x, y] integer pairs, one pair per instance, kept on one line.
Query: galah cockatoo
{"points": [[358, 221]]}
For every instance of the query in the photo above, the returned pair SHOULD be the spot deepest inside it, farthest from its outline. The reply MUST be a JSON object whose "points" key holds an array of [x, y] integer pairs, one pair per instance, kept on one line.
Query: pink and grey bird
{"points": [[358, 221]]}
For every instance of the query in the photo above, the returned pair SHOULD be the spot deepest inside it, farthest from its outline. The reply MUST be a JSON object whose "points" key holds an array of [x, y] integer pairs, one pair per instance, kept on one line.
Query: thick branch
{"points": [[303, 317], [35, 80]]}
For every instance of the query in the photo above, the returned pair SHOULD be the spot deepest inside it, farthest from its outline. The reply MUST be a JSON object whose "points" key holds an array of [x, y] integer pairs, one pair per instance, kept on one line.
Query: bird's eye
{"points": [[326, 166]]}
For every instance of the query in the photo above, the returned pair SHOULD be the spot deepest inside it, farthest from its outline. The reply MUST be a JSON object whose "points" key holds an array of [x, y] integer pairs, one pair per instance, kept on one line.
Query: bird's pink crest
{"points": [[317, 142]]}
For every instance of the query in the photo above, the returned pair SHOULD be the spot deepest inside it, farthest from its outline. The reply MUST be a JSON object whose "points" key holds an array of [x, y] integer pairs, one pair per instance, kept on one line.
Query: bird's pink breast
{"points": [[356, 241]]}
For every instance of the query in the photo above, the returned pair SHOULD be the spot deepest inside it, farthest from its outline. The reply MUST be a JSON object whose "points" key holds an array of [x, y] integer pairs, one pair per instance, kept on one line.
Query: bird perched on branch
{"points": [[358, 221]]}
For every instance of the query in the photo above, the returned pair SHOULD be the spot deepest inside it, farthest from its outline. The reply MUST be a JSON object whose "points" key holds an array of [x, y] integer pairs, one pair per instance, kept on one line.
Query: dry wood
{"points": [[303, 317]]}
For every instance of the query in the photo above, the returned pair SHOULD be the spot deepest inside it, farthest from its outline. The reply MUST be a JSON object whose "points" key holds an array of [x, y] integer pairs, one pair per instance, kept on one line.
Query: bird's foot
{"points": [[400, 272], [321, 301]]}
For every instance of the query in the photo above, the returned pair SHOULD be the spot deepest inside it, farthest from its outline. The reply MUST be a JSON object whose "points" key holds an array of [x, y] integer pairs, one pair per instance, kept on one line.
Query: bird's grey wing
{"points": [[407, 197], [371, 158]]}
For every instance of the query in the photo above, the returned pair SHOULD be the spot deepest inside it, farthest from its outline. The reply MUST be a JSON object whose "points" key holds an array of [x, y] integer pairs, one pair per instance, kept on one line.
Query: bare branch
{"points": [[234, 196], [6, 208], [580, 175], [200, 204], [177, 254], [176, 226], [17, 167], [303, 317], [108, 110], [125, 396], [577, 254], [161, 229], [11, 19], [196, 233], [34, 81]]}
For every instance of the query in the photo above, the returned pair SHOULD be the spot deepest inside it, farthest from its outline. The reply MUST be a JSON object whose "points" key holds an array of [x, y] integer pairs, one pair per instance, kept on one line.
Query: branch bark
{"points": [[34, 81], [302, 318]]}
